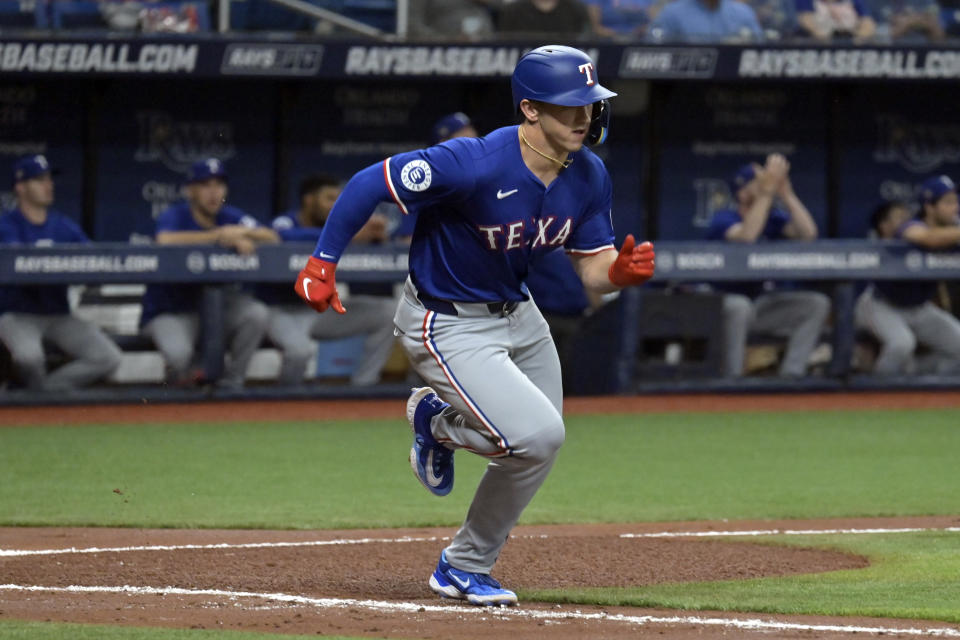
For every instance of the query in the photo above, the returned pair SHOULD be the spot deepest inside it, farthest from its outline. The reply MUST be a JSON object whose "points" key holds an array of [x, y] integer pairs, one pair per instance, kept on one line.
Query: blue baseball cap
{"points": [[29, 167], [448, 125], [935, 188], [206, 169], [742, 177]]}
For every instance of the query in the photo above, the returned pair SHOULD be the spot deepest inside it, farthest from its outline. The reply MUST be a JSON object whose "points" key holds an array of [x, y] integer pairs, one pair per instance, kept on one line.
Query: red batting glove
{"points": [[318, 287], [634, 264]]}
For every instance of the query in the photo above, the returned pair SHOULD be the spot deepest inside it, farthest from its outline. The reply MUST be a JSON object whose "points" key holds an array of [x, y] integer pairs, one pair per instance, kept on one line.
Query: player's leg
{"points": [[798, 316], [94, 354], [737, 317], [175, 335], [889, 325], [366, 315], [496, 411], [288, 328], [245, 322], [23, 336], [940, 331]]}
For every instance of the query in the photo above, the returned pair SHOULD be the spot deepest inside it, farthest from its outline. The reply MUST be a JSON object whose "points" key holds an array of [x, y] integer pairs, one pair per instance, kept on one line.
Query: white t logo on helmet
{"points": [[588, 69]]}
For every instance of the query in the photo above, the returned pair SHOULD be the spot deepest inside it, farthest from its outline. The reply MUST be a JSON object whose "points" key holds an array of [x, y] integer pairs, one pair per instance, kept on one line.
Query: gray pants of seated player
{"points": [[901, 329], [797, 316], [93, 354], [501, 376], [292, 327], [244, 325]]}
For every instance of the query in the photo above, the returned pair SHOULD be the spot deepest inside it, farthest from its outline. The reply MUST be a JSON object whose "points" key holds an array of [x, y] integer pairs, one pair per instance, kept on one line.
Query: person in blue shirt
{"points": [[902, 315], [706, 21], [171, 311], [827, 20], [486, 208], [31, 315], [293, 326], [776, 308], [622, 19]]}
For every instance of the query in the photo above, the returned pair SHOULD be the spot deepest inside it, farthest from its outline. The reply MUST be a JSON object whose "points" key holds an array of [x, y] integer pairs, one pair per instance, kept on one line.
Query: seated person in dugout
{"points": [[171, 311], [777, 308], [30, 315], [293, 326], [901, 314]]}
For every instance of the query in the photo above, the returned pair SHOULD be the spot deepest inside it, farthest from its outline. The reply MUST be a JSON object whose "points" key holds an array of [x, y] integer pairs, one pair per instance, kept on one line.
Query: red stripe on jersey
{"points": [[393, 192]]}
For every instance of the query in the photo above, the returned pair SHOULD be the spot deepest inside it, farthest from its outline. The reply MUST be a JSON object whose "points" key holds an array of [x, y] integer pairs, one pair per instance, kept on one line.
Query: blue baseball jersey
{"points": [[724, 219], [482, 216], [16, 229], [180, 298], [906, 294]]}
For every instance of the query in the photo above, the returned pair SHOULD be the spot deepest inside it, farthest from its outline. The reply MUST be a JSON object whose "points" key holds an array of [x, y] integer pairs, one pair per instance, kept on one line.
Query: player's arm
{"points": [[206, 236], [801, 225], [931, 237], [262, 235]]}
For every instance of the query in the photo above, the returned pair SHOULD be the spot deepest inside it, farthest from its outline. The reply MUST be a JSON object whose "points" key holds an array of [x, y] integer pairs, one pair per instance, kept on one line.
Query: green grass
{"points": [[912, 575], [49, 631], [612, 469]]}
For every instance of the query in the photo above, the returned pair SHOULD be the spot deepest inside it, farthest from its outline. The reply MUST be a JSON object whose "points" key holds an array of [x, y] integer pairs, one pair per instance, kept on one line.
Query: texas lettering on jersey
{"points": [[510, 236]]}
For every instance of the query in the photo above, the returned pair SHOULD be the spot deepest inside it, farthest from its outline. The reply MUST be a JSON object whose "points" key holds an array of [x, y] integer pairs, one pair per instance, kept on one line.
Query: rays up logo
{"points": [[179, 143], [918, 147]]}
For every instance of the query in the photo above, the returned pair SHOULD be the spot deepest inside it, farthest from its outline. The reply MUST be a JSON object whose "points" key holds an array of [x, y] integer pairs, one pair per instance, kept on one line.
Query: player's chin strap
{"points": [[563, 164]]}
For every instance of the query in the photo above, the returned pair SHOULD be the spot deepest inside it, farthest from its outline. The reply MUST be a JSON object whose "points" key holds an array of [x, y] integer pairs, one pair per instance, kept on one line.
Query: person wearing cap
{"points": [[293, 326], [171, 312], [901, 314], [30, 316], [768, 209]]}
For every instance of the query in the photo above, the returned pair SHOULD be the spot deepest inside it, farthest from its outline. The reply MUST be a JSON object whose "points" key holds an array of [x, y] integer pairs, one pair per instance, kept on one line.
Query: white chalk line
{"points": [[780, 532], [348, 541], [556, 617]]}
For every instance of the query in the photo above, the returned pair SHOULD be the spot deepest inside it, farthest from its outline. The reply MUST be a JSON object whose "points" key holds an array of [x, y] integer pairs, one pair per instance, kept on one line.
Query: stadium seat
{"points": [[15, 14]]}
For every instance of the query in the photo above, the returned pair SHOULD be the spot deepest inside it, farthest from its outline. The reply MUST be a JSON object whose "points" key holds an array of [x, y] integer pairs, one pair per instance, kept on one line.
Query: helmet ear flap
{"points": [[599, 123]]}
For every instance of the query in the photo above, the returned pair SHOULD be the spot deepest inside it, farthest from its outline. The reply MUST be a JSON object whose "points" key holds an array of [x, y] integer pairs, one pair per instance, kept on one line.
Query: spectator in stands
{"points": [[31, 315], [293, 326], [566, 19], [622, 19], [171, 312], [828, 20], [776, 17], [451, 19], [908, 20], [767, 307], [706, 21], [901, 314]]}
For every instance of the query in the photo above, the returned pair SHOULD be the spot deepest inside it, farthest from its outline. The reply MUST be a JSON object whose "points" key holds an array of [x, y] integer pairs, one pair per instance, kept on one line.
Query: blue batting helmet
{"points": [[564, 76]]}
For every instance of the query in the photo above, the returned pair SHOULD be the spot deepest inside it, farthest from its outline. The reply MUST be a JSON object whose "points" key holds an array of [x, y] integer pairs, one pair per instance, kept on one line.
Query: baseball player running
{"points": [[488, 208]]}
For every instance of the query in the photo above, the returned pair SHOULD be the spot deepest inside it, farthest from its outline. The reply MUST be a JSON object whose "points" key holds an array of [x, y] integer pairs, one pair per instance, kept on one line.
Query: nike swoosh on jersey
{"points": [[326, 256], [306, 283], [432, 479], [501, 194]]}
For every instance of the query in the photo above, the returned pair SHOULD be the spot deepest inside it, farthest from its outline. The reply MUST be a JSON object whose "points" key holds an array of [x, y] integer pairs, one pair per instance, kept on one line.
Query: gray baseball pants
{"points": [[291, 328], [901, 329], [93, 354], [797, 316], [244, 324], [501, 375]]}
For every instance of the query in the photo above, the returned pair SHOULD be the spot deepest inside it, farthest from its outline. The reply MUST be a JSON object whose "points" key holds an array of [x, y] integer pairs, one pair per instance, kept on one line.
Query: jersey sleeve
{"points": [[168, 221], [595, 232], [420, 178], [720, 222], [73, 231]]}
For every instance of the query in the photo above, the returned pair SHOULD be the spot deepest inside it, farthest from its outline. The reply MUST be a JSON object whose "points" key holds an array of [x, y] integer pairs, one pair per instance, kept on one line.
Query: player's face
{"points": [[37, 192], [947, 209], [208, 196], [318, 204], [565, 128]]}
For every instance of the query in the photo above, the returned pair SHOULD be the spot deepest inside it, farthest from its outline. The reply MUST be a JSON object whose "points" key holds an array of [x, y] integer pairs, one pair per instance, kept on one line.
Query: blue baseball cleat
{"points": [[431, 461], [475, 588]]}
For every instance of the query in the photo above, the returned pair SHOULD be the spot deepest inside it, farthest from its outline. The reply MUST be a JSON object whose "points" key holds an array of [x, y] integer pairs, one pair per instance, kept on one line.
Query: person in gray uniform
{"points": [[293, 327], [31, 315], [486, 209], [778, 308], [902, 315]]}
